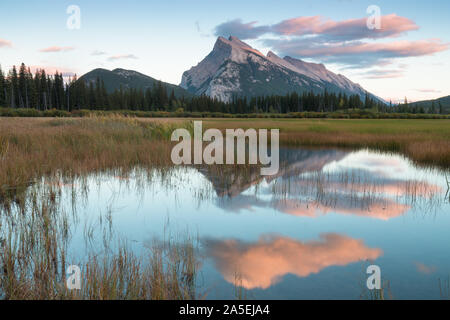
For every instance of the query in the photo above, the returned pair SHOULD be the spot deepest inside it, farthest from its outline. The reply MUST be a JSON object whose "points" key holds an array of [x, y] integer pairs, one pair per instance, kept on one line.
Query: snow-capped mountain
{"points": [[234, 68]]}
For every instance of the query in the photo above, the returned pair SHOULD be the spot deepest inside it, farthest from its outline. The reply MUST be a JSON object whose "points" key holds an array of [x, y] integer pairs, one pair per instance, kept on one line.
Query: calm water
{"points": [[308, 233]]}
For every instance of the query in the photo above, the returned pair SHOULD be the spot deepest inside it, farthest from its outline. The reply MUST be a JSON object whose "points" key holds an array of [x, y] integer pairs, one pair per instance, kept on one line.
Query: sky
{"points": [[406, 55]]}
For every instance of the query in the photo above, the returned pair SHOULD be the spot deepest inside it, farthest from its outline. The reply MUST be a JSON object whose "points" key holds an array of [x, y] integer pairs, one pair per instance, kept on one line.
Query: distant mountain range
{"points": [[233, 68], [113, 80]]}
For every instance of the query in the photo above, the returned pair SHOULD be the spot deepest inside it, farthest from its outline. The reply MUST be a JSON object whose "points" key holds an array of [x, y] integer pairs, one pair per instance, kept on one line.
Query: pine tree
{"points": [[23, 90], [3, 95], [433, 108], [14, 87]]}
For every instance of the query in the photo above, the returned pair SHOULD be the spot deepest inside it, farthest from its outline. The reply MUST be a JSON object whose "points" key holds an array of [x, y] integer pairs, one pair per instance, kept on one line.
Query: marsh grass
{"points": [[240, 293], [384, 293], [356, 192], [444, 288], [426, 142], [32, 148], [35, 234], [162, 274]]}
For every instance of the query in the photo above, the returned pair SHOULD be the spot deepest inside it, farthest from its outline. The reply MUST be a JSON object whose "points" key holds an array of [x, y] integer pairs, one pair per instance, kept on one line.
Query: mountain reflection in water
{"points": [[304, 233]]}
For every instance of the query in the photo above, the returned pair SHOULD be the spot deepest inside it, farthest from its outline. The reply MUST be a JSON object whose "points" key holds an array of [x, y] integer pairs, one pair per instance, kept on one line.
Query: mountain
{"points": [[129, 79], [444, 101], [234, 68]]}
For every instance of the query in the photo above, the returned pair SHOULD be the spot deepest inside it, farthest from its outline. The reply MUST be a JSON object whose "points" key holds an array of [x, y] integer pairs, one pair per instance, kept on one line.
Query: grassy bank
{"points": [[31, 148], [80, 145], [427, 142], [34, 147], [342, 114]]}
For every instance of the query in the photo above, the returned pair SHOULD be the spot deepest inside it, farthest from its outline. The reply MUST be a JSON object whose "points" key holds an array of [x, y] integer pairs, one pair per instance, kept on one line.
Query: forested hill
{"points": [[128, 79], [22, 89], [434, 105]]}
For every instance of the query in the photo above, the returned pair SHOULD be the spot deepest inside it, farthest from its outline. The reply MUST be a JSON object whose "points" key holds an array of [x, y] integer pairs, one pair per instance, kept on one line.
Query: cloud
{"points": [[98, 53], [50, 70], [348, 42], [241, 30], [383, 74], [358, 54], [382, 50], [122, 56], [5, 43], [57, 49], [264, 263], [353, 29], [428, 90]]}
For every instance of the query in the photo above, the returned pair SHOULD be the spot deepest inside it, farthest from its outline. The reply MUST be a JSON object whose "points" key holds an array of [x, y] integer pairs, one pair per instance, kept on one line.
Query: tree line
{"points": [[433, 108], [23, 89]]}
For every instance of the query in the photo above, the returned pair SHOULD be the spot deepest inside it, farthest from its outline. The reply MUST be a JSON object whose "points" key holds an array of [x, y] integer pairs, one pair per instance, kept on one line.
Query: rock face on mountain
{"points": [[234, 68], [128, 79]]}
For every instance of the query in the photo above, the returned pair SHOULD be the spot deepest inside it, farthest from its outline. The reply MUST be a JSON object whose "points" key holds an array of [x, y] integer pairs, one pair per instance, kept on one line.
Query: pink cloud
{"points": [[122, 56], [50, 70], [57, 49], [428, 90], [398, 49], [358, 54], [348, 42], [263, 264], [352, 29], [383, 74], [299, 26], [5, 43]]}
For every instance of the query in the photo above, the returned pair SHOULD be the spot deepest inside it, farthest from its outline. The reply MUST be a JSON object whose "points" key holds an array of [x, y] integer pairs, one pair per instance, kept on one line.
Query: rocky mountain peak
{"points": [[234, 68]]}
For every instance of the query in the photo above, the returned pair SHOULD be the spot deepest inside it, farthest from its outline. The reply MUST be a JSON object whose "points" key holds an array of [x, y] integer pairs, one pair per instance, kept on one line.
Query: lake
{"points": [[309, 232]]}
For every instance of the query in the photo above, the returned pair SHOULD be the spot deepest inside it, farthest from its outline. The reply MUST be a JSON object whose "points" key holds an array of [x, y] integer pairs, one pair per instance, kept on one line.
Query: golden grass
{"points": [[34, 238], [426, 142], [32, 148]]}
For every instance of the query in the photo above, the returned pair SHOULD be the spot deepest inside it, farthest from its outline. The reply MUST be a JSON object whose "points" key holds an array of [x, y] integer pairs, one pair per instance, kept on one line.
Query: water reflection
{"points": [[312, 184], [264, 263], [380, 209], [233, 181], [324, 209]]}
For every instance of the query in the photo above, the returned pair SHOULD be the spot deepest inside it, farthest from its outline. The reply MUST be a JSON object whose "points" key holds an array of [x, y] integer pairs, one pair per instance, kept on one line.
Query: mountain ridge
{"points": [[444, 101], [114, 79], [234, 68]]}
